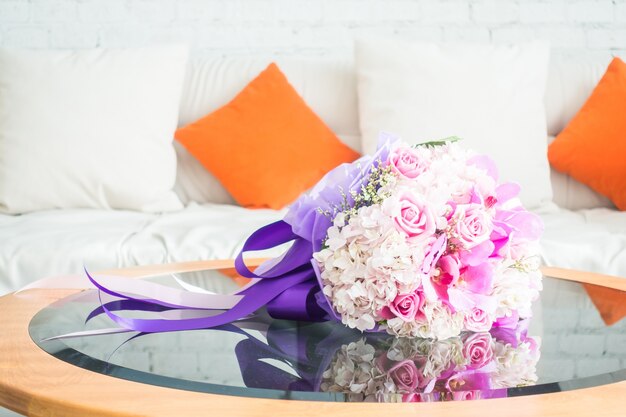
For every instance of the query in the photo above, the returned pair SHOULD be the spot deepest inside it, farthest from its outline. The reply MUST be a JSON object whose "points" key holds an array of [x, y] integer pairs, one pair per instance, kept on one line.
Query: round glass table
{"points": [[575, 339]]}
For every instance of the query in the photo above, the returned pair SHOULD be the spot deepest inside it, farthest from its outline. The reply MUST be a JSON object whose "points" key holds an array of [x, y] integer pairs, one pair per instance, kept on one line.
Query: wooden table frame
{"points": [[32, 382]]}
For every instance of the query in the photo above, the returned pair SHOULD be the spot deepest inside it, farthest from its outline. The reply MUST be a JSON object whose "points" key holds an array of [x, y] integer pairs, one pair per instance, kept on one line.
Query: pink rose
{"points": [[407, 163], [478, 320], [478, 350], [405, 306], [415, 218], [472, 225], [405, 375]]}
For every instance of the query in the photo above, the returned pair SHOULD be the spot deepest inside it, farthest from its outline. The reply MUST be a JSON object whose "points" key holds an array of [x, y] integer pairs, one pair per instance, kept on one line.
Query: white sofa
{"points": [[583, 230]]}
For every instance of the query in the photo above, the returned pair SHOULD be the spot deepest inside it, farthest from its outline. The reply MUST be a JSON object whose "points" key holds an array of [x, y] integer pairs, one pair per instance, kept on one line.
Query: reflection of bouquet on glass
{"points": [[378, 367], [470, 366]]}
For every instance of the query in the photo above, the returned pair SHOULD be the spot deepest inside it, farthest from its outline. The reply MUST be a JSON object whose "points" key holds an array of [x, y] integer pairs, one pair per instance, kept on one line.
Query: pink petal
{"points": [[449, 266], [434, 291], [479, 279], [386, 313], [475, 198], [429, 290], [526, 225], [435, 253], [460, 300], [507, 191], [509, 322], [485, 302], [485, 163], [478, 254], [499, 248]]}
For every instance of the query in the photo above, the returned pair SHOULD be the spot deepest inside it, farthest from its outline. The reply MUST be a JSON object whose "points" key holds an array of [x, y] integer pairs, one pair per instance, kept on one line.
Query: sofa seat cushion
{"points": [[59, 242], [591, 240]]}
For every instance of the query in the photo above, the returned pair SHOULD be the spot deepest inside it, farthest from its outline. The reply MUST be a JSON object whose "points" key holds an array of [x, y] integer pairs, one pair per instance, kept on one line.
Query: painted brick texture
{"points": [[310, 27]]}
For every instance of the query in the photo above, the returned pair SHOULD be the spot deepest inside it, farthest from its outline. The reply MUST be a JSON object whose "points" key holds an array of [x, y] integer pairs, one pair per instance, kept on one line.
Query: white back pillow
{"points": [[90, 128], [491, 96]]}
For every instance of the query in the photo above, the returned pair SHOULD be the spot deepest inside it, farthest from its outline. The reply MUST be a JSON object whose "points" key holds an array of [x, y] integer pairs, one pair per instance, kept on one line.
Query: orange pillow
{"points": [[592, 148], [266, 146]]}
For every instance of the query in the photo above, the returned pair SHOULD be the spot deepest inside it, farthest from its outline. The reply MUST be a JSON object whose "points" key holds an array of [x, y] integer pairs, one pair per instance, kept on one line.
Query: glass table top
{"points": [[575, 339]]}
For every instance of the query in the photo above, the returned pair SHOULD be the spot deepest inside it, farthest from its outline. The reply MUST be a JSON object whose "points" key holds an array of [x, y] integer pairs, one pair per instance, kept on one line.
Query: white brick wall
{"points": [[310, 27]]}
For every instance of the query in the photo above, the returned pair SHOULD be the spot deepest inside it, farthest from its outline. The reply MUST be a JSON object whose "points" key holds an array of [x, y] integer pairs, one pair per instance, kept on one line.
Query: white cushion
{"points": [[589, 240], [593, 240], [570, 83], [327, 86], [194, 183], [492, 96], [90, 128], [57, 242]]}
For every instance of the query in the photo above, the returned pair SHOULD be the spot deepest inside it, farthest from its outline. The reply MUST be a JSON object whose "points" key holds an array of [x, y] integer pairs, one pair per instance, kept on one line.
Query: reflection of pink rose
{"points": [[478, 350], [404, 306], [407, 163], [478, 320], [405, 375], [465, 395], [415, 218], [411, 398], [472, 226]]}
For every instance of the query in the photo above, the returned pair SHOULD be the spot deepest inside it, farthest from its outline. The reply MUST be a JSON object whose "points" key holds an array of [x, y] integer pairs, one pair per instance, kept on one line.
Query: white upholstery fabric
{"points": [[573, 195], [59, 242], [62, 241], [589, 240]]}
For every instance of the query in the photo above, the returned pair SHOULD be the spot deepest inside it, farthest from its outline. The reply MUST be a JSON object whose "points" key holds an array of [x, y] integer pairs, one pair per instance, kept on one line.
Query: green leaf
{"points": [[439, 142]]}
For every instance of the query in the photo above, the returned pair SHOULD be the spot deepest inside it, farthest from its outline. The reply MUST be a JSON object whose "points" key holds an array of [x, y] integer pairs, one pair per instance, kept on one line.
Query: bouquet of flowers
{"points": [[424, 242], [418, 241]]}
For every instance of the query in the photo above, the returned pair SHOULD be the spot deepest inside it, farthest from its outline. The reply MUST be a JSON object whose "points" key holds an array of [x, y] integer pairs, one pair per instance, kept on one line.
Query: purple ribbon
{"points": [[286, 285], [297, 303], [267, 237], [256, 297]]}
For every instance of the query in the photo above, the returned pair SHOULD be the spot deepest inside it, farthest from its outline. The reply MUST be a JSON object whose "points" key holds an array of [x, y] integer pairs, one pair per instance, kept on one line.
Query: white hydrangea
{"points": [[354, 371], [515, 290], [516, 366], [365, 264]]}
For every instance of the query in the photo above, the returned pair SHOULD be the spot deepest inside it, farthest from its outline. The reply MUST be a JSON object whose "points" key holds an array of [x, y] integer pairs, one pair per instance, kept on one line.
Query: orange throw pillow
{"points": [[592, 148], [266, 146]]}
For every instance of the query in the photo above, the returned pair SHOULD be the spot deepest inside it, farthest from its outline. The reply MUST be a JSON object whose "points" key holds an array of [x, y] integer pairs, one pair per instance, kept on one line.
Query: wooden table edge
{"points": [[32, 382]]}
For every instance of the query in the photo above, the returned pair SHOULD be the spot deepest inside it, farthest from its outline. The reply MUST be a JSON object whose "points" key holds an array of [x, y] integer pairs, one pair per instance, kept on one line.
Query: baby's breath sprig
{"points": [[380, 176], [527, 264], [369, 194]]}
